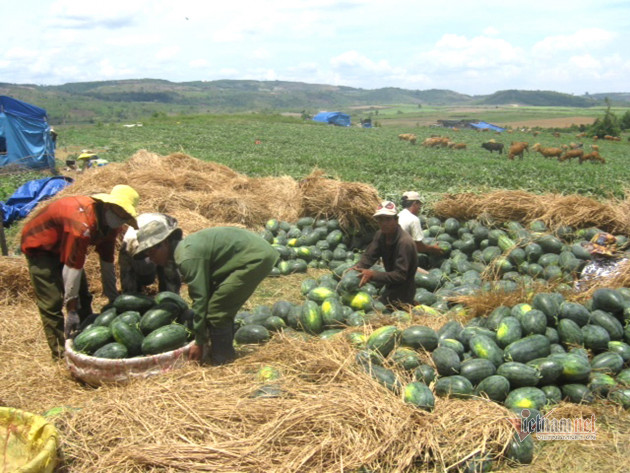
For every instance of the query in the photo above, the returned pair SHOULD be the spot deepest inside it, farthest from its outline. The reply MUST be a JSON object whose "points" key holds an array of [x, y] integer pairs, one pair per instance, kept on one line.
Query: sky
{"points": [[470, 47]]}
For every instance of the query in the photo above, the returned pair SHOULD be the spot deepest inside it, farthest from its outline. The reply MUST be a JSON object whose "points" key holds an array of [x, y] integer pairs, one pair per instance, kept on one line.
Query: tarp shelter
{"points": [[333, 118], [486, 126], [25, 138]]}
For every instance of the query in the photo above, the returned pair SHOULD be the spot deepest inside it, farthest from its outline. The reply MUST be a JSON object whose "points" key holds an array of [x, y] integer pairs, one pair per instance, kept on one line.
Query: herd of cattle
{"points": [[517, 148]]}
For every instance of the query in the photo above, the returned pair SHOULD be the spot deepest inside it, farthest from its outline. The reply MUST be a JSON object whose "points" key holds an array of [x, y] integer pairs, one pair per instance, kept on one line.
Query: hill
{"points": [[122, 100]]}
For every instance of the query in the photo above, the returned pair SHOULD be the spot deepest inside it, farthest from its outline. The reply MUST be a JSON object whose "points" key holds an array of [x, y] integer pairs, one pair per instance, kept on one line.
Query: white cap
{"points": [[387, 208], [411, 196]]}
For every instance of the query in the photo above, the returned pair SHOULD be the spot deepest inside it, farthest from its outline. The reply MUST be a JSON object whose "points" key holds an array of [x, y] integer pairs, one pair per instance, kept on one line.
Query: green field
{"points": [[291, 146]]}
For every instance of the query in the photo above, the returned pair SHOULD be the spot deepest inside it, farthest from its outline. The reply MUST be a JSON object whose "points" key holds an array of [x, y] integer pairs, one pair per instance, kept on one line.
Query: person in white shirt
{"points": [[409, 221]]}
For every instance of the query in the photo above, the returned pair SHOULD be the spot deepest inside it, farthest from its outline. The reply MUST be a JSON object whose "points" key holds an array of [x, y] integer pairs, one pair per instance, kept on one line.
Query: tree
{"points": [[624, 123], [608, 125]]}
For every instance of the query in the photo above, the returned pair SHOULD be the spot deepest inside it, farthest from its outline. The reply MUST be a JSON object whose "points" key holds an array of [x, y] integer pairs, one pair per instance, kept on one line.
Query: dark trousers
{"points": [[46, 278]]}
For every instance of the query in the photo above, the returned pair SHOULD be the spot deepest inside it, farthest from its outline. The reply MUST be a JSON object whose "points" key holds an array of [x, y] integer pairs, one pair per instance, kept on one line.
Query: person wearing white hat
{"points": [[409, 222], [399, 255], [136, 273], [222, 267], [56, 241]]}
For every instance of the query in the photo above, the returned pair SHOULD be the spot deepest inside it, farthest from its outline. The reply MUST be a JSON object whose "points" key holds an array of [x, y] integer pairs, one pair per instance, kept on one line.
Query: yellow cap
{"points": [[123, 196]]}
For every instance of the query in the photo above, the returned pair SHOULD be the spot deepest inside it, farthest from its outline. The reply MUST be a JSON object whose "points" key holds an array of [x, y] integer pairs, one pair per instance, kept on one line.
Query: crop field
{"points": [[202, 418], [289, 146]]}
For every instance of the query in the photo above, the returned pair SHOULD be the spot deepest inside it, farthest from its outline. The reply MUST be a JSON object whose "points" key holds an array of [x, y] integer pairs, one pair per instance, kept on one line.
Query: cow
{"points": [[548, 152], [493, 146], [410, 137], [517, 148], [593, 157], [573, 153]]}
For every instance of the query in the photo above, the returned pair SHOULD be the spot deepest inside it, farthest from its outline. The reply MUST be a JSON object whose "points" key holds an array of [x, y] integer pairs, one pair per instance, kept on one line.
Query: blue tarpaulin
{"points": [[486, 126], [28, 195], [25, 138], [333, 118]]}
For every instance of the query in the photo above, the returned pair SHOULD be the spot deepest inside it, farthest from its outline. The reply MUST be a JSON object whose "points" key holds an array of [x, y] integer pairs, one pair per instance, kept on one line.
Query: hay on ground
{"points": [[553, 209], [331, 416], [352, 203]]}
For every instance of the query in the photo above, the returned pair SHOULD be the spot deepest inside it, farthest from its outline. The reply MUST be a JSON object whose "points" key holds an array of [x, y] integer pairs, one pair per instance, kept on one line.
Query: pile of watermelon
{"points": [[136, 325], [525, 356], [311, 243]]}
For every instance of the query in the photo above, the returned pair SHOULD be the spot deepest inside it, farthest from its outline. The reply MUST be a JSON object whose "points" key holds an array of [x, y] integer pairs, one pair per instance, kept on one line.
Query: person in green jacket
{"points": [[222, 267]]}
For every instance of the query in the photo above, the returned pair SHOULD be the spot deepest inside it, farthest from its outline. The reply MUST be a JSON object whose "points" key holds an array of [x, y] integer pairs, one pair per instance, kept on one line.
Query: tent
{"points": [[25, 136], [486, 126], [333, 118]]}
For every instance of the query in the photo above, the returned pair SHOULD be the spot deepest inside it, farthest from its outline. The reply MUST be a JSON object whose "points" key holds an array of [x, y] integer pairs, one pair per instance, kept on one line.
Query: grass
{"points": [[291, 146]]}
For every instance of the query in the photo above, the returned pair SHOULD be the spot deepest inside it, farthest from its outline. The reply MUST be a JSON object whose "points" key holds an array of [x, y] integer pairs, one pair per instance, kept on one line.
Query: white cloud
{"points": [[586, 39], [491, 31], [167, 53], [199, 63], [260, 53]]}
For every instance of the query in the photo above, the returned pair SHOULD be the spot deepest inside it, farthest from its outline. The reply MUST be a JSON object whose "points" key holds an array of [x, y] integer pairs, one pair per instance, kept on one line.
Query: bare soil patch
{"points": [[564, 122]]}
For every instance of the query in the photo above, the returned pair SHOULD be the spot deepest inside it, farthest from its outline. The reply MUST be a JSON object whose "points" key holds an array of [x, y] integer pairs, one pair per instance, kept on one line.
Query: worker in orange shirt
{"points": [[55, 242]]}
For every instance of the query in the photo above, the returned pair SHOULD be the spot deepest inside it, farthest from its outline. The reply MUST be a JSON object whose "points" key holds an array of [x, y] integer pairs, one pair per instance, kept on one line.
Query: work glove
{"points": [[71, 324]]}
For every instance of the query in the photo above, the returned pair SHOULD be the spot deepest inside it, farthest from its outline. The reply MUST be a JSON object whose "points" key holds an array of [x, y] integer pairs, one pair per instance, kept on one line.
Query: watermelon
{"points": [[383, 340], [484, 347], [113, 350], [251, 334], [106, 317], [139, 303], [477, 369], [508, 330], [332, 312], [166, 338], [92, 339], [607, 362], [609, 300], [157, 317], [495, 387], [128, 335], [595, 337], [419, 337], [446, 361], [526, 398], [521, 450], [527, 349], [310, 318], [425, 374], [608, 322], [419, 395], [454, 386], [519, 374], [320, 294], [577, 393]]}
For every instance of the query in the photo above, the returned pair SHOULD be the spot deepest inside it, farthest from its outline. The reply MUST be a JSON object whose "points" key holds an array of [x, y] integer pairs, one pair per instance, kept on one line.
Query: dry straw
{"points": [[553, 209], [330, 416]]}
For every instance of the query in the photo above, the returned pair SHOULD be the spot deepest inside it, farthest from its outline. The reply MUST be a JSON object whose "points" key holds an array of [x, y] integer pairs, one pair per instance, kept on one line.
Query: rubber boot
{"points": [[221, 345]]}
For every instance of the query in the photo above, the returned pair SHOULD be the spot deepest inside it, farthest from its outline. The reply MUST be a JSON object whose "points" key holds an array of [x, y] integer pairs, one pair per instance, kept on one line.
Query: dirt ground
{"points": [[563, 122]]}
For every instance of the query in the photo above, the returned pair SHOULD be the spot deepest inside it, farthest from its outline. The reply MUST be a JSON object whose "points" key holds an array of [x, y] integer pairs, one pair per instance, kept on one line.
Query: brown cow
{"points": [[517, 148], [574, 153], [548, 152], [593, 157]]}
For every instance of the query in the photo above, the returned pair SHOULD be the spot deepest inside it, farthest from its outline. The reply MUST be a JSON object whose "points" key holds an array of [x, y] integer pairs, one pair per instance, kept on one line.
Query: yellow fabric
{"points": [[122, 195], [29, 442]]}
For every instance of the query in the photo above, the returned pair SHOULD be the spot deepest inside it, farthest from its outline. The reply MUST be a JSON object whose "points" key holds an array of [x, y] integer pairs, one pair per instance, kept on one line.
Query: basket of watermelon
{"points": [[136, 337]]}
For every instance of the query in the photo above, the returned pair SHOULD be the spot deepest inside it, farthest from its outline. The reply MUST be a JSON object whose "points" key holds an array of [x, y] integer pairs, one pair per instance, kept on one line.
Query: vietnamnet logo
{"points": [[552, 428]]}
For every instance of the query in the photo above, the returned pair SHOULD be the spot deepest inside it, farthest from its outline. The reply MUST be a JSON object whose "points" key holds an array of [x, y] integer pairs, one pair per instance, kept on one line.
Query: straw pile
{"points": [[553, 209], [331, 416], [352, 204]]}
